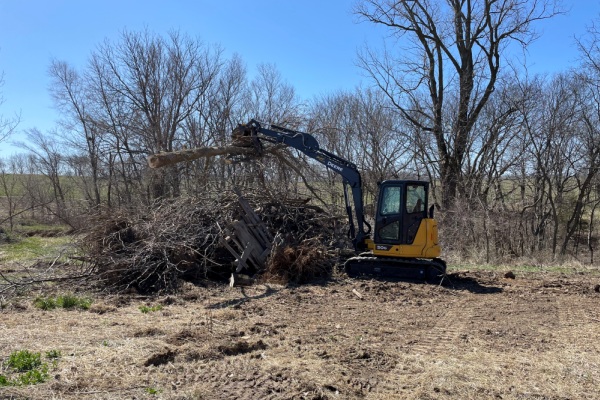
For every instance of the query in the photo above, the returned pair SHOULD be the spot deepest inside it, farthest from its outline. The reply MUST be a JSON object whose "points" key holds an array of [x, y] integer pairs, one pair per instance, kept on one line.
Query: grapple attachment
{"points": [[243, 136]]}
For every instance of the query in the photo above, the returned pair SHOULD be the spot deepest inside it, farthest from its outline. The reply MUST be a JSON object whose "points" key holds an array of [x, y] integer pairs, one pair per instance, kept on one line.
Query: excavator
{"points": [[404, 242]]}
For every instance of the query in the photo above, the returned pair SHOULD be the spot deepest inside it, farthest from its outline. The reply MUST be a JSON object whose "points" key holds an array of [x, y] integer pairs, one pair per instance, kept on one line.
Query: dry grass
{"points": [[534, 337]]}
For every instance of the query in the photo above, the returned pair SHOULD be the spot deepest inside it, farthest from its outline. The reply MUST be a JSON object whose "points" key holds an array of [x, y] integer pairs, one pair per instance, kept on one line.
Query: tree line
{"points": [[513, 158]]}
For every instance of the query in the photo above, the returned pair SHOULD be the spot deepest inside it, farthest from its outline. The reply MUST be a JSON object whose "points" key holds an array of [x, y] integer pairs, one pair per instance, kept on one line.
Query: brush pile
{"points": [[155, 248], [305, 244]]}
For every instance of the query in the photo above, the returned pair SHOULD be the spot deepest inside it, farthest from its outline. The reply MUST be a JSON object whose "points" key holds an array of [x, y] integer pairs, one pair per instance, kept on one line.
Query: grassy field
{"points": [[18, 184], [29, 243]]}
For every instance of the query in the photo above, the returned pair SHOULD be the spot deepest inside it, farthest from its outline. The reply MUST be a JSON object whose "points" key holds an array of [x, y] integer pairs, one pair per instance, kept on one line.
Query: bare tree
{"points": [[9, 185], [361, 127], [495, 147], [450, 51], [48, 155], [7, 125], [149, 87], [21, 187], [71, 97], [218, 114], [586, 164], [271, 99]]}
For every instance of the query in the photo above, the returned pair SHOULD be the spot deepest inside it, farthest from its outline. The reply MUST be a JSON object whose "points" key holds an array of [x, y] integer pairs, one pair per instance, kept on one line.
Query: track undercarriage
{"points": [[394, 267]]}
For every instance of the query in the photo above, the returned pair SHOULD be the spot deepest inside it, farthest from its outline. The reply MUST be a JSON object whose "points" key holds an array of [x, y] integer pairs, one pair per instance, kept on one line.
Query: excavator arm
{"points": [[254, 133]]}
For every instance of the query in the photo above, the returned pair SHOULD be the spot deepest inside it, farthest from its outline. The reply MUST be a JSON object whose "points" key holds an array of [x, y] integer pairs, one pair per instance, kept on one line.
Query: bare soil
{"points": [[479, 336]]}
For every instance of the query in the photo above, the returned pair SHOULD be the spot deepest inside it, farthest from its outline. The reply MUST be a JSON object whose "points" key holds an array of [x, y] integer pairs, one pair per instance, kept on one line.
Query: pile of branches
{"points": [[153, 249], [300, 221], [301, 263], [306, 239]]}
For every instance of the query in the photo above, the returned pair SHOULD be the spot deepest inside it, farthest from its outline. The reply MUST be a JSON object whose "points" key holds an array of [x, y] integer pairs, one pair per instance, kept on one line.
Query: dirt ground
{"points": [[479, 336]]}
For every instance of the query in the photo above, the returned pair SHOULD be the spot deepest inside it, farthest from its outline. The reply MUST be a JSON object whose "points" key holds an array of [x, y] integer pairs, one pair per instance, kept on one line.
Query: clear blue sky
{"points": [[313, 43]]}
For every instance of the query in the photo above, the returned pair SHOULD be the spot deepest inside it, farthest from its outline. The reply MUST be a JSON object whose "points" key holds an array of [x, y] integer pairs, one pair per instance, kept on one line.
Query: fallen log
{"points": [[163, 159]]}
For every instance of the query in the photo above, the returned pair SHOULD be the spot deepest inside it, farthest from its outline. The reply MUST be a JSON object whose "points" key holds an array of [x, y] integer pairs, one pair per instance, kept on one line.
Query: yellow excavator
{"points": [[404, 241]]}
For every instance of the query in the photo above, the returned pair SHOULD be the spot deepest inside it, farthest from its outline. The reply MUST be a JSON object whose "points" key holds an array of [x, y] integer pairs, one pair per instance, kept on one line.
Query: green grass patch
{"points": [[70, 301], [23, 368], [149, 309], [33, 228], [31, 249], [45, 303], [18, 183], [67, 301], [24, 360], [152, 391]]}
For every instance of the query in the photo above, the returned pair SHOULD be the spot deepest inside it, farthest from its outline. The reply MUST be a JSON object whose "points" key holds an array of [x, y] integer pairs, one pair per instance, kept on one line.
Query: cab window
{"points": [[415, 199], [391, 200]]}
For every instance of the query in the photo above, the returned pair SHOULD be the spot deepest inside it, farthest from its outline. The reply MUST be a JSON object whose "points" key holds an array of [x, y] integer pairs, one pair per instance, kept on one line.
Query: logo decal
{"points": [[333, 166]]}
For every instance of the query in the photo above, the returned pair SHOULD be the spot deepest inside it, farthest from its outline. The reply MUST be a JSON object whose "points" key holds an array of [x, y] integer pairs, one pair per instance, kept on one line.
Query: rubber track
{"points": [[391, 267]]}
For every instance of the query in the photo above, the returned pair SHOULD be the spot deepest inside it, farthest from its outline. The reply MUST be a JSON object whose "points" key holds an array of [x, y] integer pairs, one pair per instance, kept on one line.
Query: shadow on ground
{"points": [[269, 291], [457, 282]]}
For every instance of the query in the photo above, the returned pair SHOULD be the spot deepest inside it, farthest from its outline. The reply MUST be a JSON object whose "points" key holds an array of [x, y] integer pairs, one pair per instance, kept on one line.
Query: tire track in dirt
{"points": [[578, 338], [447, 329], [579, 319]]}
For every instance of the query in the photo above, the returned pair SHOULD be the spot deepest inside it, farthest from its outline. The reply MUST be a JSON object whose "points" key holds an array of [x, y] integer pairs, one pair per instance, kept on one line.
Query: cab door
{"points": [[401, 207]]}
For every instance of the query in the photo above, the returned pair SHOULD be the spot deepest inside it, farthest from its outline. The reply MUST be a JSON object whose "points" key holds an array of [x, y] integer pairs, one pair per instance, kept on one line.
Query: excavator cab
{"points": [[402, 206], [405, 237]]}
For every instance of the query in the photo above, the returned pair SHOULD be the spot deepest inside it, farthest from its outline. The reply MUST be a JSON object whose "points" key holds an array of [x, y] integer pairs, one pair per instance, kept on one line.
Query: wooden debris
{"points": [[510, 275], [153, 248], [249, 239], [357, 294]]}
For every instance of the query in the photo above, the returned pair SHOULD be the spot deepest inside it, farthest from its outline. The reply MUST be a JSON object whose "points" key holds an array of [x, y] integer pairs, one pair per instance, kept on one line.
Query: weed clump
{"points": [[24, 360], [149, 309], [67, 301], [45, 304], [23, 368]]}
